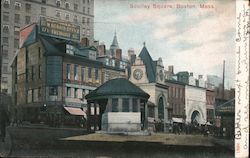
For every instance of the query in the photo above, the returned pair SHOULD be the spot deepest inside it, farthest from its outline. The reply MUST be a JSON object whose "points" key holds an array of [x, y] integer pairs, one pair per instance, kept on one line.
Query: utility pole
{"points": [[223, 81], [1, 50]]}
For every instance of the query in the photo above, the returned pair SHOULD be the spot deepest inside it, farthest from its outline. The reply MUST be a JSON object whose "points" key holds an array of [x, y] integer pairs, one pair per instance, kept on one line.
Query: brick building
{"points": [[52, 75], [16, 14]]}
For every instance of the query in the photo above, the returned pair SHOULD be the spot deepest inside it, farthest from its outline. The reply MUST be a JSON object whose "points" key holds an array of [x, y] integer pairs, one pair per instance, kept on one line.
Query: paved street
{"points": [[51, 142]]}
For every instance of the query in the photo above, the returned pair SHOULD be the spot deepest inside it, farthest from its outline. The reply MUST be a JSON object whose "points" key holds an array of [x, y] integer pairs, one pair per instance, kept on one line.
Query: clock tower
{"points": [[138, 72]]}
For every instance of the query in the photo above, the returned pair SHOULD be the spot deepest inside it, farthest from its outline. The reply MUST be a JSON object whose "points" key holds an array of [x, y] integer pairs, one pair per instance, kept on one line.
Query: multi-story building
{"points": [[210, 97], [55, 73], [15, 14], [176, 99]]}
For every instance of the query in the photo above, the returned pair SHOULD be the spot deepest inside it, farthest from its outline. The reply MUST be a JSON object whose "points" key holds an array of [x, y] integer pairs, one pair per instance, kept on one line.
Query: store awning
{"points": [[177, 120], [75, 111]]}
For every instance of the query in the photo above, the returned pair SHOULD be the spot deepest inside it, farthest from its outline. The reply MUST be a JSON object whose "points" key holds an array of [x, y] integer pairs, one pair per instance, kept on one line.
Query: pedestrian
{"points": [[3, 122]]}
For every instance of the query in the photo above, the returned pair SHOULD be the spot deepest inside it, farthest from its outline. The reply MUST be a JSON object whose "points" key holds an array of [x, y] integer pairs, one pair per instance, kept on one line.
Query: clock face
{"points": [[138, 73], [161, 75]]}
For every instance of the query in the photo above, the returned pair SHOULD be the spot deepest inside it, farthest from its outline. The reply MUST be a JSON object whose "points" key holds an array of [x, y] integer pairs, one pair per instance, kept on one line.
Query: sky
{"points": [[190, 37]]}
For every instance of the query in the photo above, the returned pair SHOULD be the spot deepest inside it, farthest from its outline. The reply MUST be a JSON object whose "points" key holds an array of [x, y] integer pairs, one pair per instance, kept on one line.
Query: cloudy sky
{"points": [[192, 39]]}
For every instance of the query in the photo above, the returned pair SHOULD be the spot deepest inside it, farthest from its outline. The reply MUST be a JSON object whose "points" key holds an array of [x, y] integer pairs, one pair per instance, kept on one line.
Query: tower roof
{"points": [[118, 86], [114, 44], [149, 63]]}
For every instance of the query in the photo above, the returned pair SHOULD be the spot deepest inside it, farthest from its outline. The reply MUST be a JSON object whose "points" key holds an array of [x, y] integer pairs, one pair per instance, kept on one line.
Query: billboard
{"points": [[59, 29]]}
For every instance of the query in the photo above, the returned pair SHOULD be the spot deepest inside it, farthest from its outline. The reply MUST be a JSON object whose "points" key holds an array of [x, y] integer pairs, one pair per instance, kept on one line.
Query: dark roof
{"points": [[49, 45], [118, 86], [149, 63]]}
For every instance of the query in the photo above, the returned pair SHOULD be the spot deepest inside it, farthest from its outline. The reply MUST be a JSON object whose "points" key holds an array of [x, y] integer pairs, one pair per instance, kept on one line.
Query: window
{"points": [[75, 18], [88, 10], [6, 16], [83, 1], [58, 3], [83, 93], [6, 40], [27, 7], [6, 3], [83, 9], [4, 79], [68, 92], [115, 105], [16, 43], [83, 20], [70, 49], [53, 90], [67, 5], [43, 11], [67, 16], [6, 28], [16, 30], [39, 52], [135, 105], [5, 54], [44, 1], [17, 5], [89, 72], [76, 93], [68, 71], [5, 68], [96, 74], [39, 92], [32, 72], [82, 73], [17, 18], [88, 1], [76, 72], [40, 71], [58, 14], [125, 105], [75, 7], [88, 21], [30, 96], [27, 19]]}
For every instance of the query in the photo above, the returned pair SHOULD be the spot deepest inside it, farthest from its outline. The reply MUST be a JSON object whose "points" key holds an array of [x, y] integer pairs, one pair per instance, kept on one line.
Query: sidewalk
{"points": [[5, 147]]}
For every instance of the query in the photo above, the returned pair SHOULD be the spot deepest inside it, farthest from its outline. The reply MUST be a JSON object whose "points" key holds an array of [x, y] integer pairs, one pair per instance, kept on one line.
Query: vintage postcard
{"points": [[124, 78]]}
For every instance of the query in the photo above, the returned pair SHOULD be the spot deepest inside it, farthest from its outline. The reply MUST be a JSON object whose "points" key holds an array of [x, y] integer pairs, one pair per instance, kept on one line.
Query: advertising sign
{"points": [[59, 29]]}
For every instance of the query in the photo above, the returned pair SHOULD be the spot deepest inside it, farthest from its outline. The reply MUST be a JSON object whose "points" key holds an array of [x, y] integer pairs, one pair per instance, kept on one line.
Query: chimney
{"points": [[118, 54], [130, 53], [84, 42], [191, 74], [200, 76], [171, 69], [102, 50], [132, 60]]}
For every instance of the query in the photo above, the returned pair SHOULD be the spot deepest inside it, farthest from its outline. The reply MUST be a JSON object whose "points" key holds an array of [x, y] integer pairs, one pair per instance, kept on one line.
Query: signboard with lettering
{"points": [[59, 29]]}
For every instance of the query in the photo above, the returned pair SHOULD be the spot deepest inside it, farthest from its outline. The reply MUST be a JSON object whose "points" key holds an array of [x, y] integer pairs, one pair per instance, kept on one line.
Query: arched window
{"points": [[161, 108]]}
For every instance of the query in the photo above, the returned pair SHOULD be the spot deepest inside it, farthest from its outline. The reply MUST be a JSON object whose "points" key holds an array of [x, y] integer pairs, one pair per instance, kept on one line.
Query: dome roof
{"points": [[118, 86]]}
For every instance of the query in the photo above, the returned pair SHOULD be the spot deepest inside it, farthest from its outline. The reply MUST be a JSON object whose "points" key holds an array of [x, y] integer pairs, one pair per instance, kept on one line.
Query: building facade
{"points": [[176, 99], [195, 104], [15, 14], [210, 98], [149, 76], [55, 74]]}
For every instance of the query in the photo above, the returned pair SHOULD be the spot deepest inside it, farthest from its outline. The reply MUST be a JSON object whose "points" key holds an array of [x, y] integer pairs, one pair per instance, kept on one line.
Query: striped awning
{"points": [[75, 111]]}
